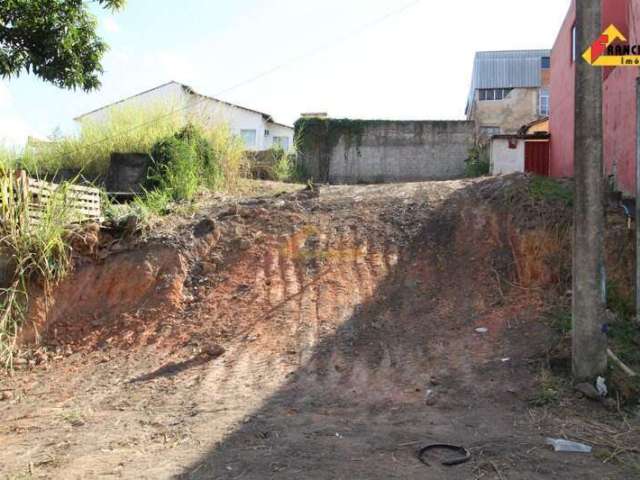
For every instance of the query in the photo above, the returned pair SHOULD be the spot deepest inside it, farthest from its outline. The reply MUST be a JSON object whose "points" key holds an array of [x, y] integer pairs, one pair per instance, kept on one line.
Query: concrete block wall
{"points": [[380, 151]]}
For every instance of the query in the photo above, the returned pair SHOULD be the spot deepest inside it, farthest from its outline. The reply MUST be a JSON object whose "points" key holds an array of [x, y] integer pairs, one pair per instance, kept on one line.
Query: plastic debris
{"points": [[601, 386], [482, 330], [560, 445]]}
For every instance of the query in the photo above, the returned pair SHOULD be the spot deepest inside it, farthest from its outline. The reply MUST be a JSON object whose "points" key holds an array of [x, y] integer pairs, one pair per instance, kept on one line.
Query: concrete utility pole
{"points": [[638, 200], [589, 278]]}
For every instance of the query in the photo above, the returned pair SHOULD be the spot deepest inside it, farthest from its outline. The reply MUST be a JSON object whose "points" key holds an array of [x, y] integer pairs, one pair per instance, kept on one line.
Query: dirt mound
{"points": [[317, 334]]}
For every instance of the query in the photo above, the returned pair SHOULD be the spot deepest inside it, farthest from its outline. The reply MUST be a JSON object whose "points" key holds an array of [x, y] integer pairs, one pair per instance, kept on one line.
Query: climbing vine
{"points": [[314, 133], [319, 136]]}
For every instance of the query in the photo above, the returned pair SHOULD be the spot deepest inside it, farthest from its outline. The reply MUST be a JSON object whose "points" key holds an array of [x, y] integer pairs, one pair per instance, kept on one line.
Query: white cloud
{"points": [[13, 130], [110, 25]]}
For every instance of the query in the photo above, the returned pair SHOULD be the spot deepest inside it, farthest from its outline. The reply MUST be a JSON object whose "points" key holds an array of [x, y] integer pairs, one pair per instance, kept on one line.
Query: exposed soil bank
{"points": [[349, 324]]}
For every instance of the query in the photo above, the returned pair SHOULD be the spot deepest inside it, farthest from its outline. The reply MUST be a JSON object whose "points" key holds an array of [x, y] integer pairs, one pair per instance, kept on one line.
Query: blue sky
{"points": [[414, 65]]}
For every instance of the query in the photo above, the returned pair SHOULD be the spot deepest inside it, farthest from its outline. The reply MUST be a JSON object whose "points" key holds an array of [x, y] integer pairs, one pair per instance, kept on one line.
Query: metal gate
{"points": [[536, 158]]}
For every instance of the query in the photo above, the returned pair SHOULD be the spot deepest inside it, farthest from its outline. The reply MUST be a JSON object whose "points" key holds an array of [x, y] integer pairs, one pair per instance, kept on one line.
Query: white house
{"points": [[258, 130]]}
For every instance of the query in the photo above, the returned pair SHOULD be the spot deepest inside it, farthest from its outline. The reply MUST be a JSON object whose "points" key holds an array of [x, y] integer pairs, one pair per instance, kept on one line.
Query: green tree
{"points": [[55, 40]]}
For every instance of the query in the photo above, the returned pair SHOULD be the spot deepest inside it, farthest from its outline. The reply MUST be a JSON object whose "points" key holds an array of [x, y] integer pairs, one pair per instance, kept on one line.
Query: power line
{"points": [[310, 53]]}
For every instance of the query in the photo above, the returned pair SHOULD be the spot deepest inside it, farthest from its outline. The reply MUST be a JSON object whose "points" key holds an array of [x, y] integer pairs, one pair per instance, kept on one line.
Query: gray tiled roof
{"points": [[506, 69]]}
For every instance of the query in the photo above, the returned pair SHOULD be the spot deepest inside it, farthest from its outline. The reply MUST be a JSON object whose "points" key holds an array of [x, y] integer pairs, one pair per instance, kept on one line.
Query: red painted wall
{"points": [[619, 100], [619, 105], [562, 89]]}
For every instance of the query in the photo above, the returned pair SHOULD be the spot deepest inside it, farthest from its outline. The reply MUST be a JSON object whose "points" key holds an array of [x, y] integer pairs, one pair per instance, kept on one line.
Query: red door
{"points": [[536, 158]]}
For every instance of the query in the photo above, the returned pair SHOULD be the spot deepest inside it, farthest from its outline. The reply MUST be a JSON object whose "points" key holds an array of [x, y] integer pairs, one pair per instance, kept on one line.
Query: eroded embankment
{"points": [[354, 310], [301, 266], [302, 260]]}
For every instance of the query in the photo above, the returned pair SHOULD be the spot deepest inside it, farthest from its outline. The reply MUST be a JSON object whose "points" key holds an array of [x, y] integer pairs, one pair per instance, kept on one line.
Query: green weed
{"points": [[478, 163], [548, 189], [561, 320], [549, 390]]}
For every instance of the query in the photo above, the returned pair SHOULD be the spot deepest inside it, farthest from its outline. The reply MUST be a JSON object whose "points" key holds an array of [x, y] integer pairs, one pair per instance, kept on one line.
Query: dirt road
{"points": [[311, 335]]}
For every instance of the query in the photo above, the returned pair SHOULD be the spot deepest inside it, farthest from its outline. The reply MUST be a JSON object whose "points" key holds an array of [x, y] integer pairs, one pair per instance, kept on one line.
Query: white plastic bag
{"points": [[560, 445]]}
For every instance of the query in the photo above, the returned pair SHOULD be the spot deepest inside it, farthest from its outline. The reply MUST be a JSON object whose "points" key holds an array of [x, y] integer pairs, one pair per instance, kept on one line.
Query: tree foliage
{"points": [[55, 40]]}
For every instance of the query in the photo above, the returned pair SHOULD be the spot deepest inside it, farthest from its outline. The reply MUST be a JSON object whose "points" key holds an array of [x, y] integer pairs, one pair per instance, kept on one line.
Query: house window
{"points": [[249, 137], [574, 46], [494, 93], [545, 62], [488, 132], [281, 142], [544, 103]]}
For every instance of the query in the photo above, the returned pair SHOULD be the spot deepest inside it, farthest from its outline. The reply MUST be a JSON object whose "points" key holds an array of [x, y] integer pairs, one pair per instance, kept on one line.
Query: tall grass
{"points": [[137, 129], [36, 251], [8, 157], [227, 151], [122, 129]]}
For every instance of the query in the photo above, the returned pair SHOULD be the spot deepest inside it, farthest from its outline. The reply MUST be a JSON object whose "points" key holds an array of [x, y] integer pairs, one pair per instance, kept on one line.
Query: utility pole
{"points": [[589, 278], [638, 200]]}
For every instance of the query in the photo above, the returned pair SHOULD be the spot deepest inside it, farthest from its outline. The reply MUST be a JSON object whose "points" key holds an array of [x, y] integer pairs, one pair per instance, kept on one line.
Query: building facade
{"points": [[509, 89], [619, 98], [258, 130]]}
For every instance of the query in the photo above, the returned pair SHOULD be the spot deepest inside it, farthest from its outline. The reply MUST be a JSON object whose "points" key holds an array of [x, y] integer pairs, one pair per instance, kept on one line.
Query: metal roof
{"points": [[506, 69]]}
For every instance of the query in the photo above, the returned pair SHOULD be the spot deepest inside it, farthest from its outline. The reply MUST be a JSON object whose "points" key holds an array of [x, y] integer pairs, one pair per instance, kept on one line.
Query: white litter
{"points": [[560, 445], [601, 386], [482, 330]]}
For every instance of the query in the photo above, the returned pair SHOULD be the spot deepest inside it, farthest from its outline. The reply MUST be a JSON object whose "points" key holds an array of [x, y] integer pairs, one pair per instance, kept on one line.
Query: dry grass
{"points": [[37, 251]]}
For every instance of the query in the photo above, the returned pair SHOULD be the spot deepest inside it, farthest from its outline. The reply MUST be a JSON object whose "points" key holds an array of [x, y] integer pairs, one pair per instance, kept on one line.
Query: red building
{"points": [[619, 98]]}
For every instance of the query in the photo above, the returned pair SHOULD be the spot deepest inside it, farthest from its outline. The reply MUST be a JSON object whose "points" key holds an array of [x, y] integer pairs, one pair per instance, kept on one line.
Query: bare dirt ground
{"points": [[322, 334]]}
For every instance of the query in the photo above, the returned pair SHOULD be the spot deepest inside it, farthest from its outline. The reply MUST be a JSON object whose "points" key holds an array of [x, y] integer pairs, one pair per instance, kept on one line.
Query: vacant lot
{"points": [[319, 334]]}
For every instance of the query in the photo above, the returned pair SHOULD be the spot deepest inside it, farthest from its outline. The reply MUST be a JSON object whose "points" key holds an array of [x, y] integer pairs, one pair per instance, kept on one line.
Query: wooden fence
{"points": [[84, 201]]}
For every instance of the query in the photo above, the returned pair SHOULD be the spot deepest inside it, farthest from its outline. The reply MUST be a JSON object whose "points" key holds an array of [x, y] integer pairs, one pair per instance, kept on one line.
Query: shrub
{"points": [[478, 164], [178, 164], [549, 189], [286, 167], [283, 164]]}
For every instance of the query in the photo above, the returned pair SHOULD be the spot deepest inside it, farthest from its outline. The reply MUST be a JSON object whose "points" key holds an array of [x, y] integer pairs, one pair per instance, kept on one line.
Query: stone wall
{"points": [[379, 151]]}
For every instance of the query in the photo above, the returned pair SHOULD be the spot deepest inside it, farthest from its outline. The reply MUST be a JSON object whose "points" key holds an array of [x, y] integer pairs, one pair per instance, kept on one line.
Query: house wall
{"points": [[619, 100], [619, 104], [174, 96], [510, 114], [562, 88], [238, 119], [389, 151], [169, 96], [277, 130], [505, 160]]}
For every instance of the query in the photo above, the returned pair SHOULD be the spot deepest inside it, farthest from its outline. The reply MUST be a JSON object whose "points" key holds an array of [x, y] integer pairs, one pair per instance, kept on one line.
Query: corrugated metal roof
{"points": [[506, 69]]}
